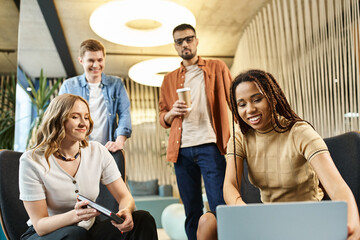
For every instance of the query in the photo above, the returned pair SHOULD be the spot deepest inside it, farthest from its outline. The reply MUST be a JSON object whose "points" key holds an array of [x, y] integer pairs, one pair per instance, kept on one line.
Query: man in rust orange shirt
{"points": [[198, 137]]}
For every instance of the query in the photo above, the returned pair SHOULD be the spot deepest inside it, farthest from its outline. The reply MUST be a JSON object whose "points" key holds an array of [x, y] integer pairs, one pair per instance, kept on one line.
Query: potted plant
{"points": [[40, 99]]}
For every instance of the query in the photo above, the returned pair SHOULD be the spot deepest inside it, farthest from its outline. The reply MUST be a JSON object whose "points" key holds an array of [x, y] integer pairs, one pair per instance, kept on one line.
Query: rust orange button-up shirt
{"points": [[217, 79]]}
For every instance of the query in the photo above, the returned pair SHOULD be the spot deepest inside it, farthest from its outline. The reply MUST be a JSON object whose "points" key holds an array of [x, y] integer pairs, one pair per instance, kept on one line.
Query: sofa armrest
{"points": [[165, 190]]}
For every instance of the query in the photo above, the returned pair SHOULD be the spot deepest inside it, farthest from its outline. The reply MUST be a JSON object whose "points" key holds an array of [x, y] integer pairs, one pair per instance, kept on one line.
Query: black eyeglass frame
{"points": [[188, 39]]}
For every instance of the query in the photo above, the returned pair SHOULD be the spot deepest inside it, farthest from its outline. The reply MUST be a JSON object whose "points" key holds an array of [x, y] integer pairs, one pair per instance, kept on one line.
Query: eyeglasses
{"points": [[188, 39]]}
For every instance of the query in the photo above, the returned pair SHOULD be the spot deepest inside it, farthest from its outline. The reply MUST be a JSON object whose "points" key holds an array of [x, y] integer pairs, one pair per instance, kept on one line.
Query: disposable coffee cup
{"points": [[184, 95]]}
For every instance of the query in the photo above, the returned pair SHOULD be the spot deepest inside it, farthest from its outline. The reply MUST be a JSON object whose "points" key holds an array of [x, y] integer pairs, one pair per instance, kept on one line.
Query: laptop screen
{"points": [[283, 221]]}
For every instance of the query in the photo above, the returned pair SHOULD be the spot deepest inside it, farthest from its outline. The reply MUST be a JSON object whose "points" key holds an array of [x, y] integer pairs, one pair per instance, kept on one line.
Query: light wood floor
{"points": [[162, 234]]}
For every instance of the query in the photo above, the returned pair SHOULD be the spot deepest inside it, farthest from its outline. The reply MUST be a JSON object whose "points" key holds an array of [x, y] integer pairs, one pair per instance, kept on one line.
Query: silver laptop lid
{"points": [[325, 220]]}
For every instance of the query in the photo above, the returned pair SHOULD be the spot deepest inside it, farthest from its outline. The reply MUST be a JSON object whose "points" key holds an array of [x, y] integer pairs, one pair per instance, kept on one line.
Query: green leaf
{"points": [[40, 99], [33, 91], [52, 90]]}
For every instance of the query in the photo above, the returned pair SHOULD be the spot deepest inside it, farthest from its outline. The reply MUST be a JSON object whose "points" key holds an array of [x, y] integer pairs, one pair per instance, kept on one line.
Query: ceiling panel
{"points": [[219, 25]]}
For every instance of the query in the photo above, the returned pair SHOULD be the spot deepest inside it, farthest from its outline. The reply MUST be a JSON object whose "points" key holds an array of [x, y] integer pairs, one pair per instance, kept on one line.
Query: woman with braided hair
{"points": [[286, 158]]}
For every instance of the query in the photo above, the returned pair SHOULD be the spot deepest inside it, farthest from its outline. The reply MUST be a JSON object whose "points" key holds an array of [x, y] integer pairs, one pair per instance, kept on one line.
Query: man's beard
{"points": [[188, 56]]}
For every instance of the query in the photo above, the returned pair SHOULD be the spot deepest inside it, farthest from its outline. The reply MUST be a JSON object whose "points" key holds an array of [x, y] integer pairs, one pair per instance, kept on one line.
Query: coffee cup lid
{"points": [[182, 90]]}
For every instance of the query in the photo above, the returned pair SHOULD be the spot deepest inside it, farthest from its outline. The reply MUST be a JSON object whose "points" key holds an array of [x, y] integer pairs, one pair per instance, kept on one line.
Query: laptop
{"points": [[325, 220]]}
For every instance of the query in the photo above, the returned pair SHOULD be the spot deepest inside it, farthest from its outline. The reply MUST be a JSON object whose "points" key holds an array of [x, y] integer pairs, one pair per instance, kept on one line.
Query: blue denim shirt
{"points": [[116, 100]]}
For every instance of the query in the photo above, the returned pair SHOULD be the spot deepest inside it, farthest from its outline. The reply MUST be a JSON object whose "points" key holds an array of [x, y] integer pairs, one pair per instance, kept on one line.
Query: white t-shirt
{"points": [[37, 181], [98, 113], [197, 125]]}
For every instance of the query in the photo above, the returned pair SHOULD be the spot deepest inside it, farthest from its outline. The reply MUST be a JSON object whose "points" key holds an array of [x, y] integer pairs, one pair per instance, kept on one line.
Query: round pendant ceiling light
{"points": [[152, 72], [139, 23]]}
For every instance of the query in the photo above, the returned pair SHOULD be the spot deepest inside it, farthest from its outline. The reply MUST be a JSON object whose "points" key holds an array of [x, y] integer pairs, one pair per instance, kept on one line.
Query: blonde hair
{"points": [[52, 131]]}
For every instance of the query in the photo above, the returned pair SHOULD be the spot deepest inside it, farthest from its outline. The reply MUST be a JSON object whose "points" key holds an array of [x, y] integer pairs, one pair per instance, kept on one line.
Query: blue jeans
{"points": [[192, 162]]}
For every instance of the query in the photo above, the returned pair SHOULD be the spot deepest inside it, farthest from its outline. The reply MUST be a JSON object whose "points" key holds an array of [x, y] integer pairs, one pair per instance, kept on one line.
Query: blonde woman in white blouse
{"points": [[64, 164]]}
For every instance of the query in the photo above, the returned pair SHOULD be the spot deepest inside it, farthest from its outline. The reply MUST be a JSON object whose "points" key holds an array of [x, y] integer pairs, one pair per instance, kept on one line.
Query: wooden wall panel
{"points": [[312, 49], [145, 150]]}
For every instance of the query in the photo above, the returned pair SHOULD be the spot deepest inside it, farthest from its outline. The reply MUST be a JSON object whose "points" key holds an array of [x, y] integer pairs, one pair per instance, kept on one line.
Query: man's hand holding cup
{"points": [[181, 107], [184, 95]]}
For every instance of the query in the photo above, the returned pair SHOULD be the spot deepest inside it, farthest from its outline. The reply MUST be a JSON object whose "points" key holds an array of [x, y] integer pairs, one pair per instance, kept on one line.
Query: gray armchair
{"points": [[249, 193], [345, 151], [12, 211]]}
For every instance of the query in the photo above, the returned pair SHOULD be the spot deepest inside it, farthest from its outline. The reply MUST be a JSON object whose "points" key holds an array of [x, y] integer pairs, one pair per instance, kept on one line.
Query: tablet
{"points": [[101, 209]]}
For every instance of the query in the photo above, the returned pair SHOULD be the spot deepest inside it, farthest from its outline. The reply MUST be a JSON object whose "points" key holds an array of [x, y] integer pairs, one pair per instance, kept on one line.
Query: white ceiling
{"points": [[219, 26]]}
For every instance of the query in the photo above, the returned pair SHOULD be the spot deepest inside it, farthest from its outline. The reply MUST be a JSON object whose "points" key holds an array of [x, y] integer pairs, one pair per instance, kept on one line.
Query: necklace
{"points": [[62, 157]]}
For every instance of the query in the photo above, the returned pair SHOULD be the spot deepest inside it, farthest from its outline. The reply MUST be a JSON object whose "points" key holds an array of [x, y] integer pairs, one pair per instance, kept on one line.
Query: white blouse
{"points": [[37, 181]]}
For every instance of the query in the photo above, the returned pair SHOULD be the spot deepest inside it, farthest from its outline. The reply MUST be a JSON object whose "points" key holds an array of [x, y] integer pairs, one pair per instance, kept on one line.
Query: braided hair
{"points": [[271, 90], [273, 94]]}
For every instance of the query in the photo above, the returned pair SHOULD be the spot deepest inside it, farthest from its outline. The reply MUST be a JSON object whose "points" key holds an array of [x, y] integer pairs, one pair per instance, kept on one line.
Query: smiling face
{"points": [[78, 122], [93, 64], [252, 106], [187, 49]]}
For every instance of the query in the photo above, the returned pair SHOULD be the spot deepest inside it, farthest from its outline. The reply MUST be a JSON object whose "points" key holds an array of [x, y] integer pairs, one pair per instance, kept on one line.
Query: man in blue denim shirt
{"points": [[106, 95]]}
